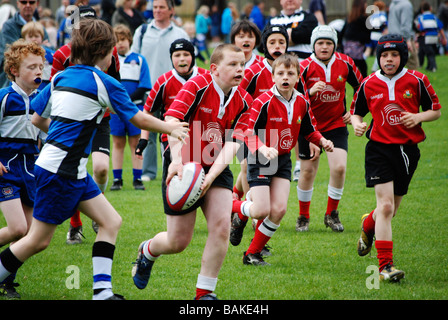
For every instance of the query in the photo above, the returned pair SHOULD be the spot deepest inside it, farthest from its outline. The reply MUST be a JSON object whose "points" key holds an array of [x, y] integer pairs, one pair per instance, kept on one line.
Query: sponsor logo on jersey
{"points": [[392, 114]]}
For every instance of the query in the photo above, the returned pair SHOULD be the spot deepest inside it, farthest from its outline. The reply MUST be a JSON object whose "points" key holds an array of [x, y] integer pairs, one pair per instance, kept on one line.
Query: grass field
{"points": [[318, 265]]}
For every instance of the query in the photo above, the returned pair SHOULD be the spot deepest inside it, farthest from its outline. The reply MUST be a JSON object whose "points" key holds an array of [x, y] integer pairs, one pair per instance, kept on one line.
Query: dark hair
{"points": [[245, 26], [358, 10], [91, 41]]}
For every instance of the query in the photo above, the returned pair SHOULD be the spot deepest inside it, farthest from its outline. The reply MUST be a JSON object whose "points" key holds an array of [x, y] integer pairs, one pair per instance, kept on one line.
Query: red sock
{"points": [[369, 224], [238, 192], [263, 234], [332, 205], [384, 250], [201, 292], [305, 208], [75, 221]]}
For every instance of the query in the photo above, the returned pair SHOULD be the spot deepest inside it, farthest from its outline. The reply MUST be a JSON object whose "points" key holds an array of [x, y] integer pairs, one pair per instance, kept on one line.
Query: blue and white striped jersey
{"points": [[17, 133], [76, 101], [134, 73]]}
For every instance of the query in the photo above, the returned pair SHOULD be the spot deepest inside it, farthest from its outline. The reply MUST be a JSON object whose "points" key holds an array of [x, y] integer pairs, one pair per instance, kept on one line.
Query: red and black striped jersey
{"points": [[330, 105], [275, 122], [213, 117], [165, 90], [257, 79], [386, 99]]}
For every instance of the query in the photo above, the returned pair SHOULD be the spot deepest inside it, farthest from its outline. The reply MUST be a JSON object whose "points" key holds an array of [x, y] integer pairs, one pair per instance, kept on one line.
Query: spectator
{"points": [[107, 8], [400, 21], [203, 24], [431, 28], [7, 10], [229, 16], [126, 14], [257, 15], [60, 12], [153, 40], [319, 9], [443, 16], [215, 31], [356, 35]]}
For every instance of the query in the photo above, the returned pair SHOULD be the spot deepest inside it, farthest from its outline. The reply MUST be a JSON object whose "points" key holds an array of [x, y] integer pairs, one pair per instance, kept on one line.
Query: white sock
{"points": [[206, 283], [335, 193], [304, 195], [245, 208], [147, 252]]}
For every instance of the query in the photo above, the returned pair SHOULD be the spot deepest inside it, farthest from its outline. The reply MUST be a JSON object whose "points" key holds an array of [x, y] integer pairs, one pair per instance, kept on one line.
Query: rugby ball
{"points": [[183, 194]]}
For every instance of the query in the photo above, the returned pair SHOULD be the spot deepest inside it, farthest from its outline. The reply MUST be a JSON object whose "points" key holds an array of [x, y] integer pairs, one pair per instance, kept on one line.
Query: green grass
{"points": [[318, 265]]}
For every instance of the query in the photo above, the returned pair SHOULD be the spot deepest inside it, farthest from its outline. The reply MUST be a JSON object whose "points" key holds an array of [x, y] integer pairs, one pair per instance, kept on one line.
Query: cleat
{"points": [[74, 235], [391, 274], [302, 224], [332, 221], [237, 229], [365, 242], [116, 185], [296, 173], [266, 252], [208, 296], [95, 226], [8, 289], [142, 269], [138, 184], [254, 259], [116, 297]]}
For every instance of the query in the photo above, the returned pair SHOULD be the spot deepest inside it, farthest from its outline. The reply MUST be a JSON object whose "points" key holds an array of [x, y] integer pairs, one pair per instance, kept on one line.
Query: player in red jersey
{"points": [[257, 80], [212, 104], [245, 35], [393, 95], [325, 73], [276, 118], [168, 86], [101, 141]]}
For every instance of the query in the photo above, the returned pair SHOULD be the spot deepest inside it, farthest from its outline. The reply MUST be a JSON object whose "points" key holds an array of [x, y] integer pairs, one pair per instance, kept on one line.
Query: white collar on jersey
{"points": [[25, 97], [391, 82], [325, 67], [222, 105], [289, 105], [181, 79]]}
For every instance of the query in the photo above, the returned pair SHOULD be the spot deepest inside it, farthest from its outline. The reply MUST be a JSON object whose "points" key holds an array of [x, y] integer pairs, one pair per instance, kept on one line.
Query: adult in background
{"points": [[356, 35], [300, 24], [400, 21], [126, 14], [443, 16], [319, 9], [12, 30], [153, 40], [7, 10], [257, 14]]}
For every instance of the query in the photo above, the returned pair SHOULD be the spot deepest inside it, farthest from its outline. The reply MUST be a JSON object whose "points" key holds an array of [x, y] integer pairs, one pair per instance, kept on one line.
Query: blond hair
{"points": [[218, 53], [32, 28], [288, 60]]}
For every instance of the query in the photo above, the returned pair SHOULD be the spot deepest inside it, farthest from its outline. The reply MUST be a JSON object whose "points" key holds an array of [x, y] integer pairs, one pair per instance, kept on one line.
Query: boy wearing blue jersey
{"points": [[24, 62], [134, 73], [76, 101]]}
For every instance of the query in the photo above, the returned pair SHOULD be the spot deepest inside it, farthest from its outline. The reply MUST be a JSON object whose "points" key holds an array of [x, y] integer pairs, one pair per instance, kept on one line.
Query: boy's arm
{"points": [[40, 122], [359, 126], [223, 159], [410, 120]]}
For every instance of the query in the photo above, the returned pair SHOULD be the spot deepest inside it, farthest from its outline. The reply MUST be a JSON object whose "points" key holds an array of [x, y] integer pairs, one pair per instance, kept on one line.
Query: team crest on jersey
{"points": [[407, 94], [7, 191], [340, 79], [299, 120]]}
